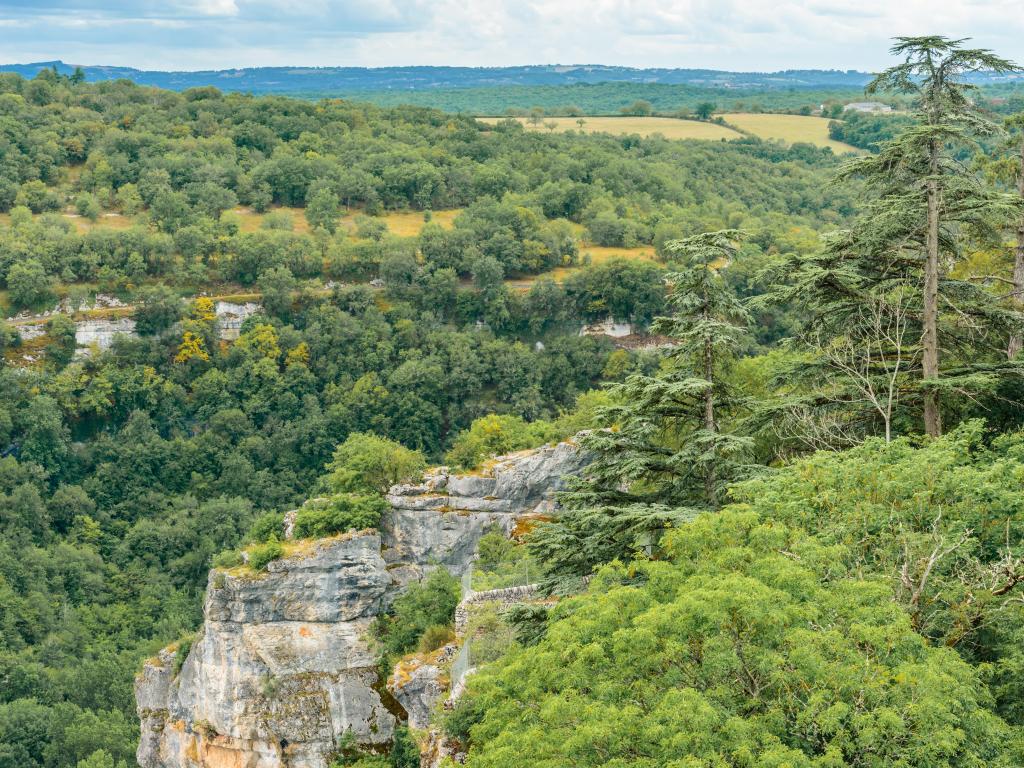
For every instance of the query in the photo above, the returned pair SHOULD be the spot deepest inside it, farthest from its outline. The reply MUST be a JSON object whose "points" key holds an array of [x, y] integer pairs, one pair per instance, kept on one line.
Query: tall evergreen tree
{"points": [[932, 71], [666, 455], [922, 201]]}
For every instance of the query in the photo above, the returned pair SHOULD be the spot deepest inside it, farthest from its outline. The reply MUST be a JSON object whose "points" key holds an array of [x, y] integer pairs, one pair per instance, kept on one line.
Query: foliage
{"points": [[749, 623], [260, 555], [423, 605], [494, 435], [665, 453], [867, 130], [337, 514], [368, 463]]}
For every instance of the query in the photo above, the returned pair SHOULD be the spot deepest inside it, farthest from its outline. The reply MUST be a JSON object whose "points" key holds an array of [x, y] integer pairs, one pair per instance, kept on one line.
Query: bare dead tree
{"points": [[873, 357]]}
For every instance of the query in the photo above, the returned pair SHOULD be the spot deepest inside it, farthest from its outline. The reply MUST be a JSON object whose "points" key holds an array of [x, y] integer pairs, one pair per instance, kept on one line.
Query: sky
{"points": [[738, 35]]}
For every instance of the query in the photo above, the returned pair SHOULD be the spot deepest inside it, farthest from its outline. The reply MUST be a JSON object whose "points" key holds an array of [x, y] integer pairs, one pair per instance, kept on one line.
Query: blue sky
{"points": [[718, 34]]}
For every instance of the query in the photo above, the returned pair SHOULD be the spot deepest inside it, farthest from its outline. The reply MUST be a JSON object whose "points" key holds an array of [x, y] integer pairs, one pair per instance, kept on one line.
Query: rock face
{"points": [[442, 519], [419, 682], [101, 332], [230, 317], [283, 667]]}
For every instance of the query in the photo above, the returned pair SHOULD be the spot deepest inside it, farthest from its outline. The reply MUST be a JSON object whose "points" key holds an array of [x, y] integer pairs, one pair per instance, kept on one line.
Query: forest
{"points": [[799, 543]]}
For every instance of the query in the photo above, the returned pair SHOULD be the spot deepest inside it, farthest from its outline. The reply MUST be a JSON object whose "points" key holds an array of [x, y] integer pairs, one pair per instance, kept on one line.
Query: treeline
{"points": [[867, 130]]}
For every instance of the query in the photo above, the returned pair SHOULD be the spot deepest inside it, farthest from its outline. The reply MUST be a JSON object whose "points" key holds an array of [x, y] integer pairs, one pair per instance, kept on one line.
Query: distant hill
{"points": [[355, 79]]}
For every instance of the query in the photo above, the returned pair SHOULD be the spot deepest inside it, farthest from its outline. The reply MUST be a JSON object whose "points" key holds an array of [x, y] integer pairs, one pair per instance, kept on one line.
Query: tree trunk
{"points": [[930, 332], [1017, 338], [709, 399]]}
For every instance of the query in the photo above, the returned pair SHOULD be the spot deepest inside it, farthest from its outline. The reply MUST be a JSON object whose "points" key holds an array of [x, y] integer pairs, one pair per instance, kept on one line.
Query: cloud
{"points": [[717, 34]]}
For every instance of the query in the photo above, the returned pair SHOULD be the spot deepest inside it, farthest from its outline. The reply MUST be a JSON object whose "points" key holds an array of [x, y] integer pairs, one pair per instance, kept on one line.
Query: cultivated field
{"points": [[598, 254], [788, 128], [668, 127], [401, 223]]}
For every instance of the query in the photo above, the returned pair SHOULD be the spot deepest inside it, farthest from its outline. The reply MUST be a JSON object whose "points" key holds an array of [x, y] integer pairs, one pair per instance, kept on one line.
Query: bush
{"points": [[262, 554], [344, 512], [368, 463], [184, 646], [231, 558], [424, 605], [493, 435], [267, 526], [434, 637], [28, 284]]}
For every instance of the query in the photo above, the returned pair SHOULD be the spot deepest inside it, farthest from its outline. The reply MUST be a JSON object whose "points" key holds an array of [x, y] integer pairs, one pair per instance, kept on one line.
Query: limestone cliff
{"points": [[283, 667]]}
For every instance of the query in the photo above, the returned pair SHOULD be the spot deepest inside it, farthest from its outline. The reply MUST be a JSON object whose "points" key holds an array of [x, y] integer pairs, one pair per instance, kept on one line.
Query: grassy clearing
{"points": [[598, 255], [401, 223], [669, 127], [789, 128], [410, 223]]}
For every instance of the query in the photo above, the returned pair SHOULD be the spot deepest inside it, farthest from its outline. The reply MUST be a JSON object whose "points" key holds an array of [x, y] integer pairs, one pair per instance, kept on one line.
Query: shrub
{"points": [[344, 512], [493, 435], [368, 463], [427, 604], [184, 646], [267, 526], [262, 554], [231, 558], [434, 637]]}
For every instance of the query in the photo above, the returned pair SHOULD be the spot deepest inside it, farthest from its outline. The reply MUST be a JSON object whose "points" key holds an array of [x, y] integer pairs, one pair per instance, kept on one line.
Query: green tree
{"points": [[88, 206], [705, 110], [879, 304], [922, 157], [747, 640], [158, 309], [60, 330], [322, 209], [368, 463], [28, 283], [277, 286], [666, 453]]}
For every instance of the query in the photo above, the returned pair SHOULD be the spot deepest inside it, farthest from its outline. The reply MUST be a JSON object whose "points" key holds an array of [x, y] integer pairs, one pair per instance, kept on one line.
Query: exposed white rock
{"points": [[284, 667], [29, 331], [230, 317], [100, 332], [609, 327]]}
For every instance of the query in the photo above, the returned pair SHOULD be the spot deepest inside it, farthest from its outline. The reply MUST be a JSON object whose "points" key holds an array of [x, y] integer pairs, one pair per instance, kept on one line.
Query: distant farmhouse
{"points": [[868, 106]]}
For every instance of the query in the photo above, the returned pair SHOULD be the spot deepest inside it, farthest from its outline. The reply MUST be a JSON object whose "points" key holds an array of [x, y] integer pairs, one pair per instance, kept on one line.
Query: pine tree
{"points": [[922, 200], [932, 71], [665, 456]]}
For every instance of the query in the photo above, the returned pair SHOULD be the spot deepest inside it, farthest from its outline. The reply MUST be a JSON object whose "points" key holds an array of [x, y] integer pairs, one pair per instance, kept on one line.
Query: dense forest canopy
{"points": [[871, 589]]}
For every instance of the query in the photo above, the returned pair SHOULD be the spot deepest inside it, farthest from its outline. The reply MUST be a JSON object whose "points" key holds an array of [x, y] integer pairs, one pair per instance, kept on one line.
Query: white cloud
{"points": [[716, 34]]}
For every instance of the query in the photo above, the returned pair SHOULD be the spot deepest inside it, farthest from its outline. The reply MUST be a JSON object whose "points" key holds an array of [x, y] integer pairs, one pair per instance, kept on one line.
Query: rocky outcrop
{"points": [[419, 681], [100, 333], [284, 669], [442, 519], [230, 317]]}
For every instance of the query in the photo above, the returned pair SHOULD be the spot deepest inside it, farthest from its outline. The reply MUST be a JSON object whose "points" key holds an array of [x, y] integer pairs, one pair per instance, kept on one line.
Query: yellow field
{"points": [[669, 127], [401, 223], [789, 128], [409, 223], [598, 255], [82, 224]]}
